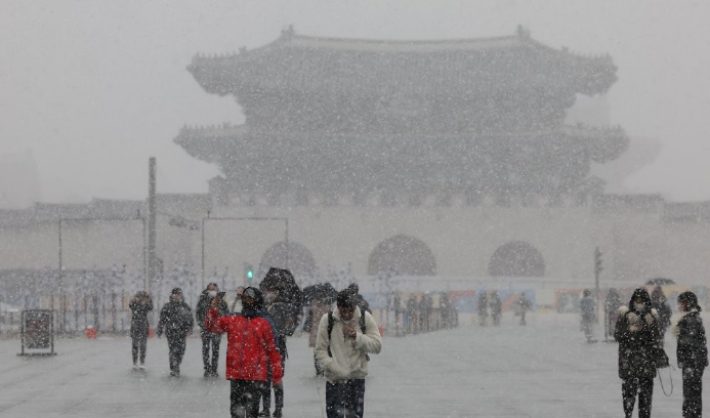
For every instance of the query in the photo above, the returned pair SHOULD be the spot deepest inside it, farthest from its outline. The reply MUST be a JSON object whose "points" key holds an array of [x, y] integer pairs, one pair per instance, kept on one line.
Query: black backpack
{"points": [[331, 322]]}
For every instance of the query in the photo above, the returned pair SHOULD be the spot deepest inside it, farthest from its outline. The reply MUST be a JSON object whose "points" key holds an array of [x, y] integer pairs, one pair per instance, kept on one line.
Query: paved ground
{"points": [[544, 370]]}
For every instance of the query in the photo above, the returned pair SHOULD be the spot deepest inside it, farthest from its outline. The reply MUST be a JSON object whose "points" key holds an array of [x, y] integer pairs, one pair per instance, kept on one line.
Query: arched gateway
{"points": [[402, 254], [517, 259], [294, 256]]}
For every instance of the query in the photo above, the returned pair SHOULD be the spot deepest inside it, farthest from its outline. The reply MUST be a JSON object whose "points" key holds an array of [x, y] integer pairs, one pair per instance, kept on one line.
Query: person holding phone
{"points": [[639, 337], [140, 305], [210, 340], [251, 350], [345, 337]]}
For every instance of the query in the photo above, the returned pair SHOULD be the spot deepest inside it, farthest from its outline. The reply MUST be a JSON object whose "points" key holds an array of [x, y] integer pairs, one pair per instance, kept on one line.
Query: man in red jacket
{"points": [[251, 350]]}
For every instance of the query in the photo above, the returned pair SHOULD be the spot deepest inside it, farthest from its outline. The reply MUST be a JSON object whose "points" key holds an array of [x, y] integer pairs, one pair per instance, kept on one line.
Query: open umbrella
{"points": [[660, 281], [323, 292], [282, 281]]}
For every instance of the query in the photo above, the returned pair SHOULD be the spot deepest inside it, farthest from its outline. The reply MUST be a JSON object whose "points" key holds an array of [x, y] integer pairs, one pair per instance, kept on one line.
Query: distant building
{"points": [[333, 120], [430, 159]]}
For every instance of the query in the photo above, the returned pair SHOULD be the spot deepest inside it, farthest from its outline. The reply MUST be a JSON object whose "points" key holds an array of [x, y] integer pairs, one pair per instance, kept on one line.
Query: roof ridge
{"points": [[399, 41]]}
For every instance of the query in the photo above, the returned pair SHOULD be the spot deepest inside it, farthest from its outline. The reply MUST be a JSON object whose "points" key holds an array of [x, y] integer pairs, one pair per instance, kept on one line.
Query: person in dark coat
{"points": [[445, 310], [588, 307], [425, 308], [612, 305], [524, 305], [359, 299], [482, 308], [639, 337], [692, 353], [209, 339], [660, 304], [140, 305], [496, 308], [412, 320], [282, 319], [176, 322]]}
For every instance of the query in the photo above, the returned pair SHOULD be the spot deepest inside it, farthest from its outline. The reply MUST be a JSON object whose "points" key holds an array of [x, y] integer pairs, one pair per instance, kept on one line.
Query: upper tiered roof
{"points": [[338, 116], [440, 67]]}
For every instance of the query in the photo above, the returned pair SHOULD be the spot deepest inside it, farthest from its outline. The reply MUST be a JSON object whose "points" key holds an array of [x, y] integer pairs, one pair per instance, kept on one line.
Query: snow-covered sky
{"points": [[94, 88]]}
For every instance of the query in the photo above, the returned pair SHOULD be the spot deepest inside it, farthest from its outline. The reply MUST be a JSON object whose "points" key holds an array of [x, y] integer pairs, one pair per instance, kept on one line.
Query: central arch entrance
{"points": [[299, 259], [403, 255], [517, 259]]}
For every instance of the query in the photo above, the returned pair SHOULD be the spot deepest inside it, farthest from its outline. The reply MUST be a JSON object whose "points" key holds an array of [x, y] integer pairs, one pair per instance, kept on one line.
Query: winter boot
{"points": [[278, 413], [265, 413]]}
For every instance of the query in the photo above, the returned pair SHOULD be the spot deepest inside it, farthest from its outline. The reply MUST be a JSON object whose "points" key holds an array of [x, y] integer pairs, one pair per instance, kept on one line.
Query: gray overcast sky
{"points": [[94, 88]]}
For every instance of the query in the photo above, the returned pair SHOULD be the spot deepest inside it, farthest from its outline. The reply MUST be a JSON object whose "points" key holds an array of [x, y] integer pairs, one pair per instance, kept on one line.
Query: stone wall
{"points": [[636, 244]]}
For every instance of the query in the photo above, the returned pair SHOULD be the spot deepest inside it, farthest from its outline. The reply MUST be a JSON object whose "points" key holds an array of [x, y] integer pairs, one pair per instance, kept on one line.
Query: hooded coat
{"points": [[639, 338], [139, 317], [692, 351]]}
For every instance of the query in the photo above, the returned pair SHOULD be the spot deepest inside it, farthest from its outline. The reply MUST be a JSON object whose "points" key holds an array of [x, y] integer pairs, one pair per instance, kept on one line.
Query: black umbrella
{"points": [[660, 281], [322, 292], [282, 281]]}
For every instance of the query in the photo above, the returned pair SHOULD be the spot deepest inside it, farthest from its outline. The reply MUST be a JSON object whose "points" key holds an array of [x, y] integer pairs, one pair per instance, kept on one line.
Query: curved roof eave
{"points": [[220, 74]]}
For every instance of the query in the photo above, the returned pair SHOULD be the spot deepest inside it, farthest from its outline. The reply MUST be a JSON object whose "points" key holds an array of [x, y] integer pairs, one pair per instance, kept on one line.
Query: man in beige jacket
{"points": [[345, 338]]}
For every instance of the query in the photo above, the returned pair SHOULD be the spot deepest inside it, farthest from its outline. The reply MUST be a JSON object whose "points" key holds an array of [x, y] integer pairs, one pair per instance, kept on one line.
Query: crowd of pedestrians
{"points": [[491, 305], [343, 334], [258, 323]]}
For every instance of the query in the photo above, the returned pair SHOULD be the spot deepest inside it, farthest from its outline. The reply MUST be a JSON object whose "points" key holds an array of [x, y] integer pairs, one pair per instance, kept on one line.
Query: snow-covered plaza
{"points": [[542, 370]]}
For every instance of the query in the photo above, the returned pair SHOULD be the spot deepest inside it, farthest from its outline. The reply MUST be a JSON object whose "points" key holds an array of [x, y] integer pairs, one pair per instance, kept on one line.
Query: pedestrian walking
{"points": [[176, 322], [251, 351], [283, 300], [412, 311], [140, 305], [496, 306], [445, 311], [425, 308], [588, 308], [482, 308], [523, 306], [660, 304], [612, 305], [210, 340], [359, 299], [692, 353], [346, 336], [639, 340]]}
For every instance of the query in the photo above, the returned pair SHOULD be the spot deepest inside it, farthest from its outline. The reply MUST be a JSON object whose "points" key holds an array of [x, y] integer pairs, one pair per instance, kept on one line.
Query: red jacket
{"points": [[251, 348]]}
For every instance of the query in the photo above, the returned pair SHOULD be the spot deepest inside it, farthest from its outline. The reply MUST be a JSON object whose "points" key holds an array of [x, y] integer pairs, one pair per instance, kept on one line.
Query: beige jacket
{"points": [[349, 359]]}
